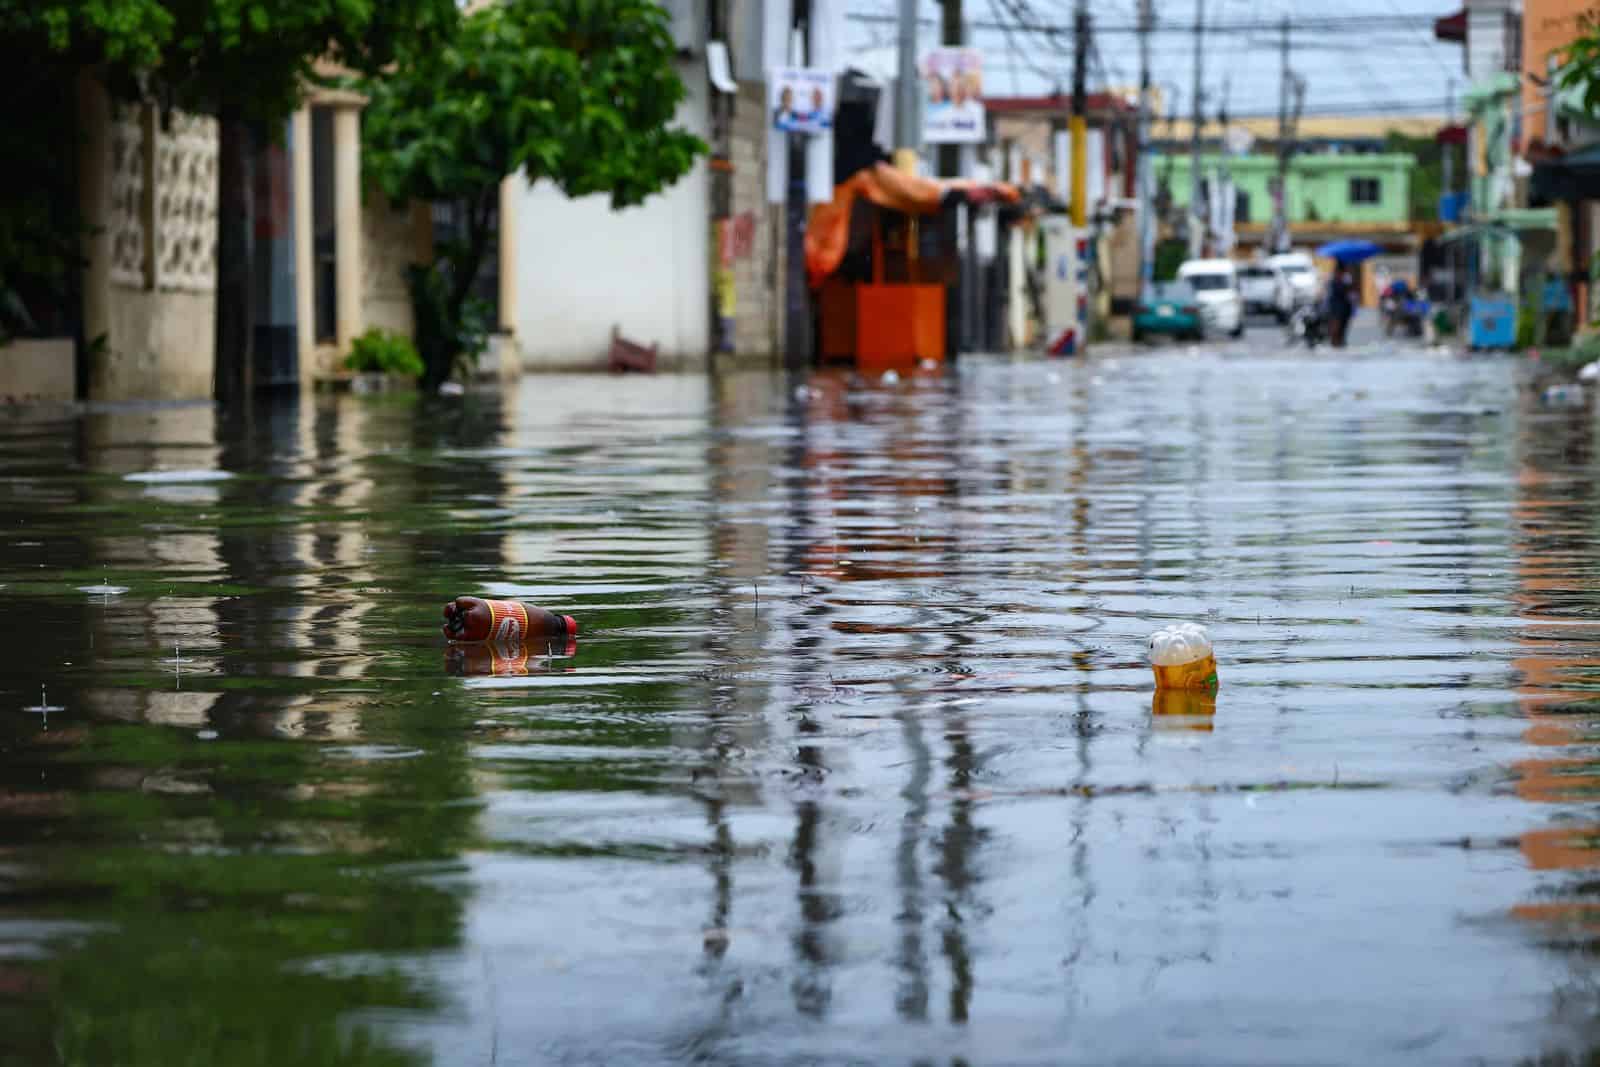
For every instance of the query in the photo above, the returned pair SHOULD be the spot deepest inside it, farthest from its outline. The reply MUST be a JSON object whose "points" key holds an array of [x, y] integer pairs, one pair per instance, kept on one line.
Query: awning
{"points": [[1511, 222], [828, 230], [1451, 27], [1572, 177], [1489, 91]]}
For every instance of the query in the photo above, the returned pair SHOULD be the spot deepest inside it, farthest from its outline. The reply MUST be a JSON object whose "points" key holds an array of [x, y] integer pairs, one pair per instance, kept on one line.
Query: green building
{"points": [[1350, 191]]}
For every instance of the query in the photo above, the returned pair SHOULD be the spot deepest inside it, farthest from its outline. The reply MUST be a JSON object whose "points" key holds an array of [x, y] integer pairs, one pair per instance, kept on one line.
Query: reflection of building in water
{"points": [[854, 497], [1554, 514], [307, 581]]}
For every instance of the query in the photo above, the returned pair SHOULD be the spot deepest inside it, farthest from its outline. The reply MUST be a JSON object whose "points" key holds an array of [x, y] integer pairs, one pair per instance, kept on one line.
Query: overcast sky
{"points": [[1353, 67]]}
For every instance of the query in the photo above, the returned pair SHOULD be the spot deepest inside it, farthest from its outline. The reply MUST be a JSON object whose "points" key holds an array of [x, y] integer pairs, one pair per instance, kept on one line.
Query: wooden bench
{"points": [[627, 356]]}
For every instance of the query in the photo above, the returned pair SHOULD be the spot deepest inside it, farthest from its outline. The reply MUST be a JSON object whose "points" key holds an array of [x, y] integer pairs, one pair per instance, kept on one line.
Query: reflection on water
{"points": [[858, 760]]}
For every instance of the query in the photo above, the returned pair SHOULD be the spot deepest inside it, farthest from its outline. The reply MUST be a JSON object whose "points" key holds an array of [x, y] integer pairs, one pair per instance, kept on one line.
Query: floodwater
{"points": [[856, 759]]}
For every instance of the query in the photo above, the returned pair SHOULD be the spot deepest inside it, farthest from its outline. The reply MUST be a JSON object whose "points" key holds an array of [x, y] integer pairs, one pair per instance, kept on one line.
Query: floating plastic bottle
{"points": [[508, 622], [1182, 658]]}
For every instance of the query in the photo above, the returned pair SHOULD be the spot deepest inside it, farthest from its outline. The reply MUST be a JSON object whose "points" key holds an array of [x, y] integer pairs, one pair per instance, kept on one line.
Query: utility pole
{"points": [[906, 135], [1078, 125], [1142, 175], [1222, 211], [1280, 198], [1196, 217], [1448, 147], [951, 33]]}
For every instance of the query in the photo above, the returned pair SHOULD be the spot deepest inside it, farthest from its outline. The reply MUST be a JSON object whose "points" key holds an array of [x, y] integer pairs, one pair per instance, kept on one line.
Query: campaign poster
{"points": [[802, 100], [952, 96]]}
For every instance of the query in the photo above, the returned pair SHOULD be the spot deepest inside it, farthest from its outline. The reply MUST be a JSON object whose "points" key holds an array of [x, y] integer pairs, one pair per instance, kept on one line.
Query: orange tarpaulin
{"points": [[828, 231]]}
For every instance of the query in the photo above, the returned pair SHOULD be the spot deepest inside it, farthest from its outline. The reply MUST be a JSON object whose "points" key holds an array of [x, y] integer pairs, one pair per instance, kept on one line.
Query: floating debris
{"points": [[178, 477], [105, 589], [1182, 657]]}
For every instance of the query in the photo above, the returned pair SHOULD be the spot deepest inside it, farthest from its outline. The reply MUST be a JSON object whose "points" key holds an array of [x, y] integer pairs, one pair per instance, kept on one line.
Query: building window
{"points": [[1365, 191]]}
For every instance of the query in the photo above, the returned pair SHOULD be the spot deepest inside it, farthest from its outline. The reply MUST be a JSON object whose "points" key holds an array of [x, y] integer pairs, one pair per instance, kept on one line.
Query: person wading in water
{"points": [[1341, 303]]}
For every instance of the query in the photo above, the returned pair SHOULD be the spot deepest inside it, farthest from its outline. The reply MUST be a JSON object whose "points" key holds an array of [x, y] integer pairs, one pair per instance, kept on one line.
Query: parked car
{"points": [[1302, 275], [1266, 291], [1216, 287], [1168, 309]]}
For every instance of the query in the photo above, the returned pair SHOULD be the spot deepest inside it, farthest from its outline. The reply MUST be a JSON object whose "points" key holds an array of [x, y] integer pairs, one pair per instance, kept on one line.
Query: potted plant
{"points": [[381, 359]]}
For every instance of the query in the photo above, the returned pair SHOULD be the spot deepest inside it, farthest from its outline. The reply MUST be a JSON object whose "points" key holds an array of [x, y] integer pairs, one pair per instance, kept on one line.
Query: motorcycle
{"points": [[1307, 326], [1402, 310]]}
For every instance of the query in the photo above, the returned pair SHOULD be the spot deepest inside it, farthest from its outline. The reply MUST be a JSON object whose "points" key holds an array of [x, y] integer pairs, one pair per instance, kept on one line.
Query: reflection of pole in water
{"points": [[955, 850], [911, 998], [812, 993], [806, 629]]}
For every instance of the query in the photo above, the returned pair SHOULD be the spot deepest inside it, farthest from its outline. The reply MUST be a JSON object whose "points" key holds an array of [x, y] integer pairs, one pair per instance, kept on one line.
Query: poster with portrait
{"points": [[802, 100], [952, 96]]}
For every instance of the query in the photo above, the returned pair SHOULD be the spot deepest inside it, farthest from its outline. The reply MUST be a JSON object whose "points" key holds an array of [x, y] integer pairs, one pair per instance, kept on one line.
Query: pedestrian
{"points": [[1341, 300]]}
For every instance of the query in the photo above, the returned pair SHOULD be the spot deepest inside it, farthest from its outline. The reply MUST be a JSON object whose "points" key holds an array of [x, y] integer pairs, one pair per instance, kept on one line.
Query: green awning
{"points": [[1479, 231], [1524, 218], [1487, 92]]}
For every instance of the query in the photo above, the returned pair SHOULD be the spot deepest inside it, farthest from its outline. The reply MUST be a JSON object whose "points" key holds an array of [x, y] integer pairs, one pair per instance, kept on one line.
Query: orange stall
{"points": [[881, 295]]}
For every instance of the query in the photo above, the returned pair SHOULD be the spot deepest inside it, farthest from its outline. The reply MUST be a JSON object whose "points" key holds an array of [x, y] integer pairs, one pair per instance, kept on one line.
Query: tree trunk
{"points": [[445, 351], [235, 315]]}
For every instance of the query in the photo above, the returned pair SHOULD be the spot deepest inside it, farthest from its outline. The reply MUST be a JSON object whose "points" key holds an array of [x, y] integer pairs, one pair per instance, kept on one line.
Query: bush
{"points": [[384, 352]]}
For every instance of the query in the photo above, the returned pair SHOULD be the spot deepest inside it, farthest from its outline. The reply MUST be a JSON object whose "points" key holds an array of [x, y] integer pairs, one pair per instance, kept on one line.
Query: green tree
{"points": [[1427, 177], [1581, 62], [579, 92]]}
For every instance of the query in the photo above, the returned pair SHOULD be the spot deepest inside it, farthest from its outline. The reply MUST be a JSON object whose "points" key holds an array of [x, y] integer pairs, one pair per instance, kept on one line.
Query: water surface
{"points": [[856, 761]]}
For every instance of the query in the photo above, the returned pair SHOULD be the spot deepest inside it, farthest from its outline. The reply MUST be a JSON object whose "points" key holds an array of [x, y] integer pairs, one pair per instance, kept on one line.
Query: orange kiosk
{"points": [[892, 315]]}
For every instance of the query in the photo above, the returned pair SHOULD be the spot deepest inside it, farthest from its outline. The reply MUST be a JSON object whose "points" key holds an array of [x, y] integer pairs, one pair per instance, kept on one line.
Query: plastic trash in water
{"points": [[1589, 372], [1182, 658], [890, 377], [1569, 395], [509, 622]]}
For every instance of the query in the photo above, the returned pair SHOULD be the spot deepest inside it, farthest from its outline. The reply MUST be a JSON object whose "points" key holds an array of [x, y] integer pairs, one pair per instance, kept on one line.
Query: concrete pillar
{"points": [[305, 280], [94, 201], [347, 221]]}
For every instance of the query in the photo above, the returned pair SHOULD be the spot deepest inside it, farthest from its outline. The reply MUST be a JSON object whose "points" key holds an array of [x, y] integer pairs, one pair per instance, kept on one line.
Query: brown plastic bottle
{"points": [[470, 618]]}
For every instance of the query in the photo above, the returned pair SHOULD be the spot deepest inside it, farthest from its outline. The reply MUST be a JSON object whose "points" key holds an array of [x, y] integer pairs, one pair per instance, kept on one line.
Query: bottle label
{"points": [[508, 622]]}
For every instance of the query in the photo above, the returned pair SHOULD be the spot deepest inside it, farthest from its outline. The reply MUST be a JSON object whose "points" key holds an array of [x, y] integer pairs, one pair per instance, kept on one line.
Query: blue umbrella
{"points": [[1349, 251]]}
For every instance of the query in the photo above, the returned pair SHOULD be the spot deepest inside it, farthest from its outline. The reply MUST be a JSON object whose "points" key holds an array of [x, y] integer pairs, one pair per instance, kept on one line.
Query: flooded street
{"points": [[856, 760]]}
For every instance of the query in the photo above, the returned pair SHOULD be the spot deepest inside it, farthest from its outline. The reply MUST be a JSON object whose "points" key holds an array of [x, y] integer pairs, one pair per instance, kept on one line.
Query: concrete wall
{"points": [[161, 346], [33, 371], [1548, 26], [148, 192], [758, 320], [389, 237], [583, 268], [1489, 39]]}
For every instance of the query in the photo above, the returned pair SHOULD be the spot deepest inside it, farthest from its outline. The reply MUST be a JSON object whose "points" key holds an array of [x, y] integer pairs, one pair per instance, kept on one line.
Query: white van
{"points": [[1302, 275], [1216, 288]]}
